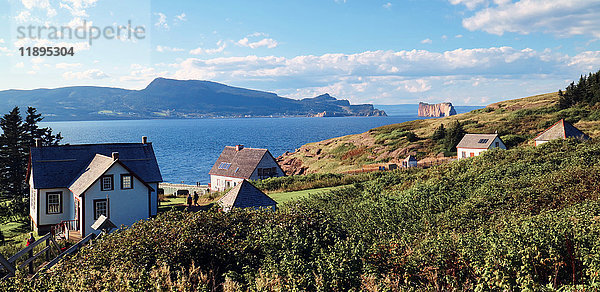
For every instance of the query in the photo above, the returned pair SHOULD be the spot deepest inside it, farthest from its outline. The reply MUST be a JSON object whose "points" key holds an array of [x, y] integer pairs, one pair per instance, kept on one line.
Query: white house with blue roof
{"points": [[73, 185]]}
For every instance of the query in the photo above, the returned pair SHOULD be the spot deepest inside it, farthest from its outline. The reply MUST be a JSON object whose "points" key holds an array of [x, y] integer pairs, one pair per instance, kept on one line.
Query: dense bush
{"points": [[311, 181], [508, 220]]}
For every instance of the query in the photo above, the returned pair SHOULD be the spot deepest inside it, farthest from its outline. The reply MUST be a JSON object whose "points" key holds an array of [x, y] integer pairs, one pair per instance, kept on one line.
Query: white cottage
{"points": [[473, 144], [75, 184], [238, 163]]}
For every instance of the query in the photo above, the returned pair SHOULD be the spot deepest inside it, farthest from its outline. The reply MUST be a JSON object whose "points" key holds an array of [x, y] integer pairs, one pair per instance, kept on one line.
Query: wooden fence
{"points": [[10, 264], [51, 246]]}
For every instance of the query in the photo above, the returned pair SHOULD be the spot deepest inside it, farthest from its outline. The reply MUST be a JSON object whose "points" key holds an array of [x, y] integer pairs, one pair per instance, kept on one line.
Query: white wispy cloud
{"points": [[162, 21], [266, 42], [470, 4], [181, 17], [563, 18], [162, 49], [221, 45], [427, 41], [387, 5], [67, 65], [89, 74]]}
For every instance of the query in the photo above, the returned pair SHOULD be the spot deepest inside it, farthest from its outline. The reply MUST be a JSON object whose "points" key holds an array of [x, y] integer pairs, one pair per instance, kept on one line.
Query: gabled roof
{"points": [[561, 130], [477, 141], [410, 158], [59, 166], [99, 165], [246, 195], [97, 168], [238, 163]]}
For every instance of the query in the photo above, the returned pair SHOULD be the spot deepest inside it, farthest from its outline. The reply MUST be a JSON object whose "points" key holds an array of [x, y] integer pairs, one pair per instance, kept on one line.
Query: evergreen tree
{"points": [[454, 134], [586, 91], [13, 154], [32, 131], [439, 134]]}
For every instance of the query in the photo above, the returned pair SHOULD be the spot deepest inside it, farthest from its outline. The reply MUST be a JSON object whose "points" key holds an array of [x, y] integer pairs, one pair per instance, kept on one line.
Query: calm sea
{"points": [[187, 149]]}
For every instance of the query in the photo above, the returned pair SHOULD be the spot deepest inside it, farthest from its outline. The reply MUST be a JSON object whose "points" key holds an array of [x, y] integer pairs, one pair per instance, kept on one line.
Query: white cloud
{"points": [[162, 21], [426, 41], [386, 76], [162, 49], [458, 36], [23, 16], [266, 42], [142, 74], [20, 65], [470, 4], [562, 18], [77, 8], [221, 45], [387, 5], [67, 65], [89, 74], [1, 41], [181, 17]]}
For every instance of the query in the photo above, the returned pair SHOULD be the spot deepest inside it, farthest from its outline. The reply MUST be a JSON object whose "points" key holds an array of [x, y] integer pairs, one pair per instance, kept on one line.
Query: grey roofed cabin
{"points": [[473, 144], [477, 141], [246, 195], [561, 130], [237, 163]]}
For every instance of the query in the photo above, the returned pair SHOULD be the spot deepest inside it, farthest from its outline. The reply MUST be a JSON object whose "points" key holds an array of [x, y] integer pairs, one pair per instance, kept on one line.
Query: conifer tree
{"points": [[454, 134], [439, 134], [13, 158]]}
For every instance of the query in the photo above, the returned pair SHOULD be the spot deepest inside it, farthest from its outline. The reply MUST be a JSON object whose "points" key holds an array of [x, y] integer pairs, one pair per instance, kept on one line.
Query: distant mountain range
{"points": [[168, 98]]}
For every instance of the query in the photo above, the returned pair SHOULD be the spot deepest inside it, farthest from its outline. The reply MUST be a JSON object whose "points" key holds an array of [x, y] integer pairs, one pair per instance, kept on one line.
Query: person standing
{"points": [[196, 196], [189, 200], [31, 239]]}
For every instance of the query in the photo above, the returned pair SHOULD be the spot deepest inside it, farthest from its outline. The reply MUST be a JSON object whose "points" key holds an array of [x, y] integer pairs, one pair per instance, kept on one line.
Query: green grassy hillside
{"points": [[517, 121], [508, 220]]}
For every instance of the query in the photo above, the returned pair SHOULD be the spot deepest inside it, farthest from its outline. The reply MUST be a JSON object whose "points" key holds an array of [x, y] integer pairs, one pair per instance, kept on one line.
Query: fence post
{"points": [[48, 251], [31, 263]]}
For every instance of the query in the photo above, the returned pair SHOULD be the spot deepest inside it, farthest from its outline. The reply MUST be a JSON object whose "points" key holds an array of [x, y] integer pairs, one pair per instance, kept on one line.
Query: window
{"points": [[100, 208], [464, 154], [54, 203], [483, 141], [224, 165], [497, 144], [106, 183], [126, 181]]}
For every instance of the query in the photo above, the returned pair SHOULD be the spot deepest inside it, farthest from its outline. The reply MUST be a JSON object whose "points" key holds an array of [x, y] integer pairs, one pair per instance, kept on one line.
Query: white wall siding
{"points": [[51, 219], [476, 152], [124, 206], [218, 183]]}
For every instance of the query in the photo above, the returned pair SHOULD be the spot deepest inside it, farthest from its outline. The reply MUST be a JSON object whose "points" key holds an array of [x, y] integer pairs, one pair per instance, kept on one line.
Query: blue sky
{"points": [[469, 52]]}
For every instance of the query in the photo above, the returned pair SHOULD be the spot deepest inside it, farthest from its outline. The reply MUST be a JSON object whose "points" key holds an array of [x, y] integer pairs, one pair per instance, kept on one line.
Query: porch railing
{"points": [[63, 228]]}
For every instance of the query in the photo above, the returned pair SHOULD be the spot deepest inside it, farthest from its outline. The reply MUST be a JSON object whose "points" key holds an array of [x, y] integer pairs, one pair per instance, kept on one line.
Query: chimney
{"points": [[38, 142], [115, 155], [239, 147], [144, 140]]}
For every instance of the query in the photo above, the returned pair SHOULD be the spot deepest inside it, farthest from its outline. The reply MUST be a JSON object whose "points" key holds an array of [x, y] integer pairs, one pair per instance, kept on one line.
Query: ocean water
{"points": [[187, 149]]}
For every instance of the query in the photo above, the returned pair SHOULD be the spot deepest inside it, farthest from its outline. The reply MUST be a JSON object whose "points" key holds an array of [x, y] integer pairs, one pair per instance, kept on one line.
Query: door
{"points": [[472, 154]]}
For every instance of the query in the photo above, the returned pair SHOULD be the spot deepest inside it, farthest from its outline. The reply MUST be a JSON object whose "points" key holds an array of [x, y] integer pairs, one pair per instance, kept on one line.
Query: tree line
{"points": [[586, 91]]}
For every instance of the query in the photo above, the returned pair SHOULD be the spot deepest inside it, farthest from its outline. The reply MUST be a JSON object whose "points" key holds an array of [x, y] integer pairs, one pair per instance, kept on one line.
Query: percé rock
{"points": [[444, 109]]}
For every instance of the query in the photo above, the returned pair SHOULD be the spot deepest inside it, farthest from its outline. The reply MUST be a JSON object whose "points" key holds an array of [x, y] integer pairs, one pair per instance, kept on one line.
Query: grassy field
{"points": [[517, 121], [290, 196]]}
